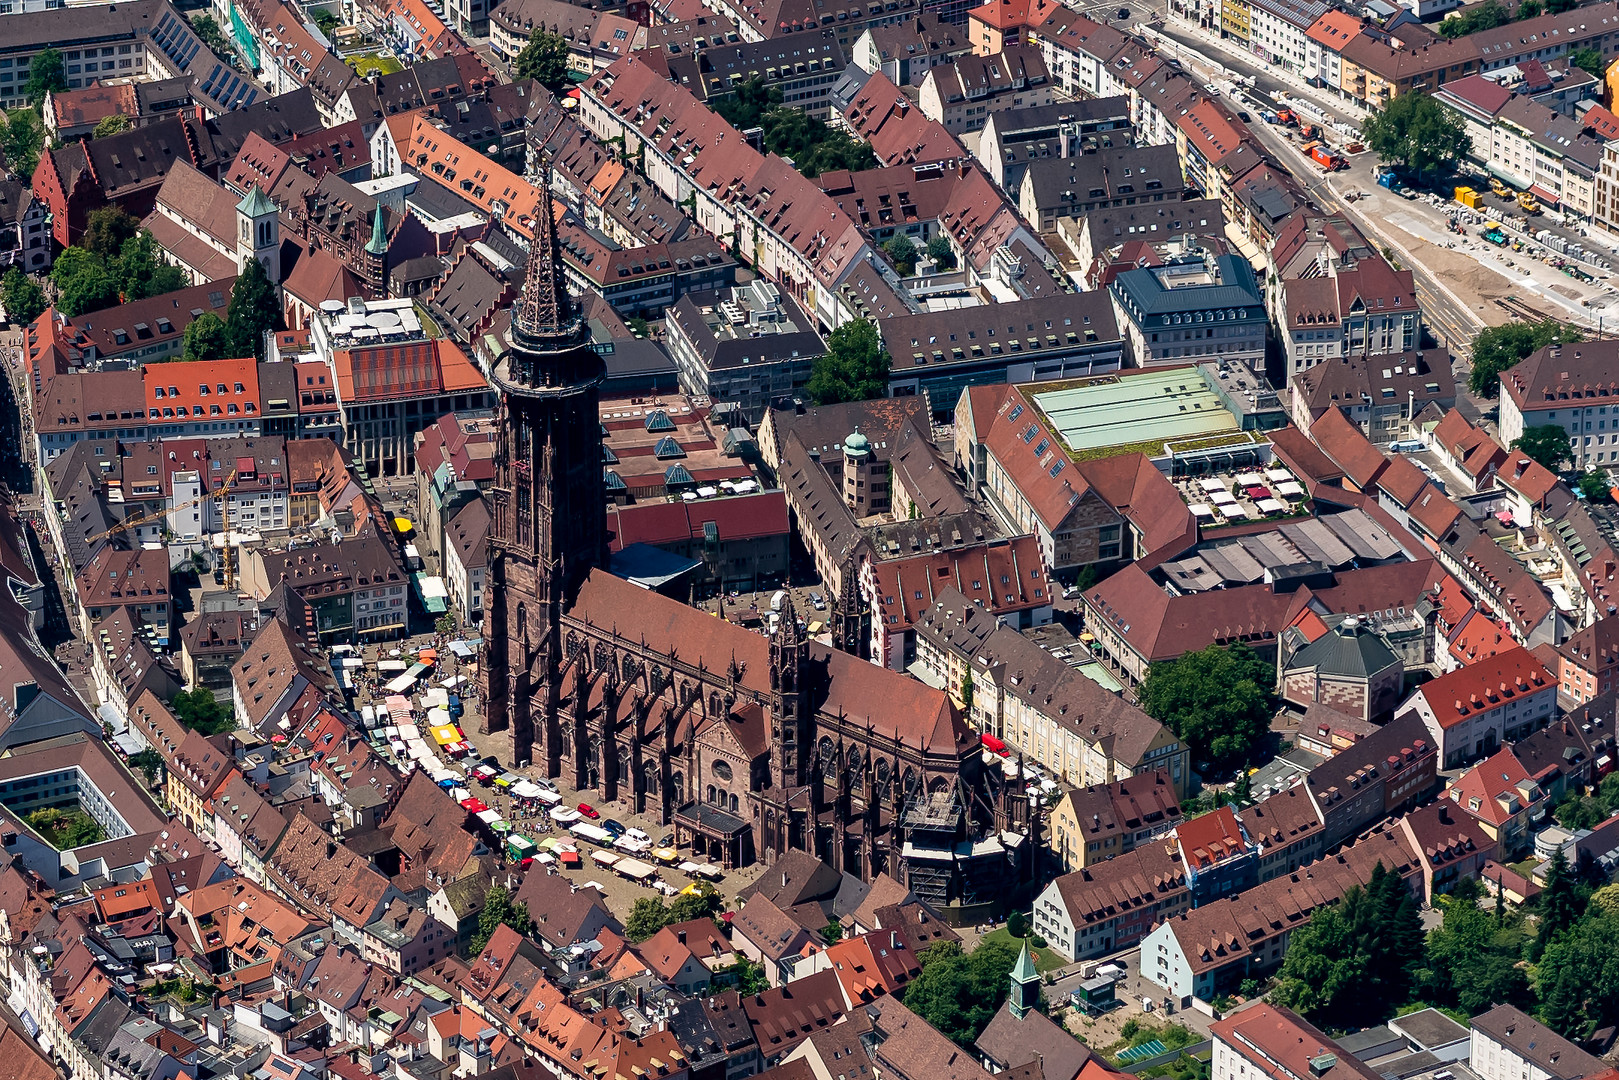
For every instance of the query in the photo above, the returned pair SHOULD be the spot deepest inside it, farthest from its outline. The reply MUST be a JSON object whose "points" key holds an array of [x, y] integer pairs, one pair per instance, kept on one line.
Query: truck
{"points": [[1468, 197], [1498, 188], [520, 849], [1287, 118]]}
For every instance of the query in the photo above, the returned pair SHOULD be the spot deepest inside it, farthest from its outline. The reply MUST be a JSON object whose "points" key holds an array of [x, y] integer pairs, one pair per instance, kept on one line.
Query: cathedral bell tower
{"points": [[790, 719], [548, 526]]}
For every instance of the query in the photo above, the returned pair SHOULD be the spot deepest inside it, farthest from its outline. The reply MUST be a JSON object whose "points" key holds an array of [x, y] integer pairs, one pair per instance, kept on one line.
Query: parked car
{"points": [[615, 827], [589, 811]]}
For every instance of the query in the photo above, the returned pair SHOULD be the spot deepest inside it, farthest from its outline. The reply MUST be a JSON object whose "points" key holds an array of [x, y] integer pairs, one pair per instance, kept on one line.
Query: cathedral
{"points": [[747, 746]]}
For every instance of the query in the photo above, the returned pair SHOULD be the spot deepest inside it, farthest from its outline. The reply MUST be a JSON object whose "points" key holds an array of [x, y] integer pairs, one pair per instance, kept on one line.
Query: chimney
{"points": [[680, 936]]}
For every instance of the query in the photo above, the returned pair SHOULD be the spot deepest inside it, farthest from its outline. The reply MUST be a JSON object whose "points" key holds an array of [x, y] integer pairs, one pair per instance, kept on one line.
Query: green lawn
{"points": [[1044, 959], [380, 62], [1526, 867]]}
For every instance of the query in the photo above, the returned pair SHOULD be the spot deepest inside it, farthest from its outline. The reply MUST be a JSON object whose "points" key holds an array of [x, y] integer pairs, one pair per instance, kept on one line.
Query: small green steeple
{"points": [[1025, 994], [378, 244]]}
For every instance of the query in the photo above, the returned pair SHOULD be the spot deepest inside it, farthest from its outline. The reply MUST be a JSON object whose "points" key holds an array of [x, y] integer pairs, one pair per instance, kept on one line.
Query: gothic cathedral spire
{"points": [[548, 514]]}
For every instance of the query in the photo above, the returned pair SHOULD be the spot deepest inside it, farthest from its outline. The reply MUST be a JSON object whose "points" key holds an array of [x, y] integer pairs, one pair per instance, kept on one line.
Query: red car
{"points": [[589, 811]]}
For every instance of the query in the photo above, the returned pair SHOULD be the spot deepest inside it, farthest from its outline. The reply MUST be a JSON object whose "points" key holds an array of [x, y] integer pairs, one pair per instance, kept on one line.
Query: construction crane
{"points": [[137, 520]]}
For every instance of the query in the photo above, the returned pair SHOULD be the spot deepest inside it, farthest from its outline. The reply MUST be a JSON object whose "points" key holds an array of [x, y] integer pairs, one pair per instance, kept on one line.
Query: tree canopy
{"points": [[110, 125], [206, 338], [854, 368], [499, 910], [811, 145], [141, 271], [545, 60], [1596, 486], [83, 282], [88, 278], [22, 140], [46, 75], [1547, 444], [1588, 60], [21, 296], [107, 229], [1218, 700], [901, 251], [1417, 133], [650, 914], [253, 311], [1497, 348], [1473, 957], [959, 993], [200, 711], [1485, 16], [940, 251], [1355, 962]]}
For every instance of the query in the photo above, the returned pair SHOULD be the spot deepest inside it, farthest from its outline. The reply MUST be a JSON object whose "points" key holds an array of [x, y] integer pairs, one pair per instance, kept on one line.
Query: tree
{"points": [[902, 252], [1416, 132], [110, 125], [1473, 957], [82, 283], [703, 904], [253, 311], [23, 140], [647, 917], [1588, 59], [940, 251], [854, 368], [207, 31], [811, 145], [21, 296], [446, 624], [1578, 978], [1485, 16], [499, 910], [1355, 961], [1017, 924], [150, 763], [1561, 903], [107, 230], [198, 710], [1217, 700], [46, 75], [960, 993], [747, 977], [141, 271], [206, 338], [545, 60], [1595, 485], [1576, 812], [1545, 443], [1497, 348], [325, 21], [832, 932], [967, 690]]}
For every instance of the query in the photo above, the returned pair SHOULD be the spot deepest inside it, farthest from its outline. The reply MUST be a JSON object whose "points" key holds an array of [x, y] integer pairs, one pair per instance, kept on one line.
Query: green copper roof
{"points": [[379, 239], [1024, 971], [256, 203]]}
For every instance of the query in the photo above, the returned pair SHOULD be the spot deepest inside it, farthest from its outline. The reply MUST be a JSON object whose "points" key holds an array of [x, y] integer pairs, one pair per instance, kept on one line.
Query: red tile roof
{"points": [[1491, 682], [199, 388]]}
